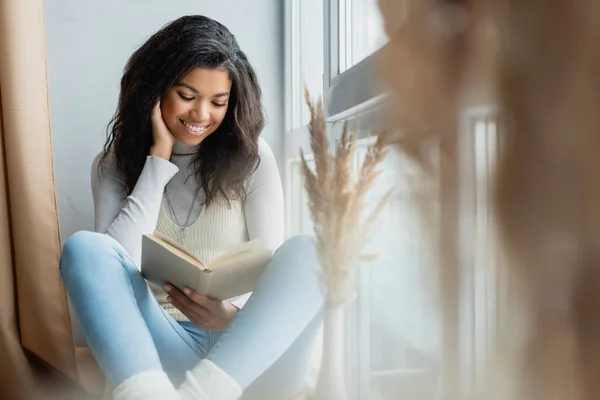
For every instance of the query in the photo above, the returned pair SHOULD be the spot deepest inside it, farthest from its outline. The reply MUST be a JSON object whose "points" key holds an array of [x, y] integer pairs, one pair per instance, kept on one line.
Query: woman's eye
{"points": [[185, 98], [220, 104]]}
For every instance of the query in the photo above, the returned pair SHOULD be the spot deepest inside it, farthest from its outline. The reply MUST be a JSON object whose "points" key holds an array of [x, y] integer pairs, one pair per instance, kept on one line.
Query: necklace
{"points": [[181, 235]]}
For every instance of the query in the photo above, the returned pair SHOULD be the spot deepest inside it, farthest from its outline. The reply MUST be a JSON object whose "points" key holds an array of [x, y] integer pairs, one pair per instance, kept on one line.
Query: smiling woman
{"points": [[183, 157], [195, 107], [203, 79]]}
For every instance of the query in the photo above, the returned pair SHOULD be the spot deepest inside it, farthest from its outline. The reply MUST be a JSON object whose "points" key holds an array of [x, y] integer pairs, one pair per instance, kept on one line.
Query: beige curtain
{"points": [[16, 375], [36, 343]]}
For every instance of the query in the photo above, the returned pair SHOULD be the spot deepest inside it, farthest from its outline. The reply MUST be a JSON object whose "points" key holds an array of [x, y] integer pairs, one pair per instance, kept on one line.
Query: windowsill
{"points": [[355, 86], [366, 107]]}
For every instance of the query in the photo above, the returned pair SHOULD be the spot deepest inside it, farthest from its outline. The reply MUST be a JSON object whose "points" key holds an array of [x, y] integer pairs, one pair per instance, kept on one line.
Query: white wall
{"points": [[89, 43]]}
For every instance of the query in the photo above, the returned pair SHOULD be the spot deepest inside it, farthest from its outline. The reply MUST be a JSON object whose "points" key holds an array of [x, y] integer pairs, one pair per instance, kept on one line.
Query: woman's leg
{"points": [[282, 314], [126, 329], [288, 298], [288, 375]]}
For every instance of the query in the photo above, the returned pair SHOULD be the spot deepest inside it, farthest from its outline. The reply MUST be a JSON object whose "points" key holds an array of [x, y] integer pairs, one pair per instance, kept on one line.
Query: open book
{"points": [[232, 274]]}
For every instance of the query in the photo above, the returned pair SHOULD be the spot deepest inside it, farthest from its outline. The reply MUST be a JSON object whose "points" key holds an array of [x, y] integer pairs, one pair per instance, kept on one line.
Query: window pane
{"points": [[300, 219], [404, 331], [360, 31], [307, 57]]}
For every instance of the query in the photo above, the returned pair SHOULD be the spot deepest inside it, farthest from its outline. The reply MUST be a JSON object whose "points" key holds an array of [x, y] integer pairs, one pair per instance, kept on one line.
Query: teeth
{"points": [[198, 129]]}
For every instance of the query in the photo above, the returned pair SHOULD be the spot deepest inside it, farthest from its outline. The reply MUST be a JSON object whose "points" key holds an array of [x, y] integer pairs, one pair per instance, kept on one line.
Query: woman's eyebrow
{"points": [[193, 89], [223, 94]]}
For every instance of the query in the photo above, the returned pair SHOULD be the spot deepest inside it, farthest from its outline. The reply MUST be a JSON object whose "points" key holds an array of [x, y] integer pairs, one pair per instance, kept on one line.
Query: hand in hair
{"points": [[162, 136]]}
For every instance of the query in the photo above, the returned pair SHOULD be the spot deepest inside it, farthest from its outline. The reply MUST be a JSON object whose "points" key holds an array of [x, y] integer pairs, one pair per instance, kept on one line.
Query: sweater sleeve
{"points": [[127, 218], [264, 208]]}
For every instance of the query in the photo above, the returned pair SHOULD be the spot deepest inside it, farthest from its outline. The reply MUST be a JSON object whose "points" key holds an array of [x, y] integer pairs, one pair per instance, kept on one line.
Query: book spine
{"points": [[203, 285]]}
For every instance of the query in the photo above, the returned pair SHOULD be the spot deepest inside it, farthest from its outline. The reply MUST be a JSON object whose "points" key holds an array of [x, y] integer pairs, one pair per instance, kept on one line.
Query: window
{"points": [[481, 291], [331, 47], [394, 327], [394, 331], [304, 58], [353, 37], [359, 31]]}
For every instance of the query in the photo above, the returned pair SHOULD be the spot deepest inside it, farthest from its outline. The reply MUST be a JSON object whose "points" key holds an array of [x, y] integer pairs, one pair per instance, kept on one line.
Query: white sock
{"points": [[209, 382], [149, 385]]}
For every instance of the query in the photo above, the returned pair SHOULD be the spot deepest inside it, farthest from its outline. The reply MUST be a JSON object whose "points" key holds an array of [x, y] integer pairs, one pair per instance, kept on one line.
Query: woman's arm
{"points": [[126, 219], [264, 208]]}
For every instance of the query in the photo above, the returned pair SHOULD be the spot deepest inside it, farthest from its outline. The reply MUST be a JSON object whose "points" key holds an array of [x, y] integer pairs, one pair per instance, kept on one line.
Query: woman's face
{"points": [[195, 106]]}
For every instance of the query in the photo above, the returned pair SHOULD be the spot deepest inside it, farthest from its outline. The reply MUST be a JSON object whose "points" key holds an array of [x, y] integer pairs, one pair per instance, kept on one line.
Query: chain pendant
{"points": [[181, 236]]}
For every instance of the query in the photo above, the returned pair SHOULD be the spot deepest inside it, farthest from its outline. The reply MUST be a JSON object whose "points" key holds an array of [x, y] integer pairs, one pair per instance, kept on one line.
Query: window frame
{"points": [[356, 86], [482, 294], [353, 96], [291, 64]]}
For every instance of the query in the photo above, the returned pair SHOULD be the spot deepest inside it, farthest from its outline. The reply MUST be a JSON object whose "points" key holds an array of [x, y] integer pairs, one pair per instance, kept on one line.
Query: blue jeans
{"points": [[267, 348]]}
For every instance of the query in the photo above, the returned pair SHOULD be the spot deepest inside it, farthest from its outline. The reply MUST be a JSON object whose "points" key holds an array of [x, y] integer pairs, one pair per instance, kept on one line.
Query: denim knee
{"points": [[82, 247], [79, 242], [299, 243], [298, 249], [299, 246]]}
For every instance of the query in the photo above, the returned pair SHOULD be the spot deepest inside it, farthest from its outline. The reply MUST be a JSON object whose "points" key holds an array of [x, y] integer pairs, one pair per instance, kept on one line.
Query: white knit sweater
{"points": [[210, 232], [217, 229]]}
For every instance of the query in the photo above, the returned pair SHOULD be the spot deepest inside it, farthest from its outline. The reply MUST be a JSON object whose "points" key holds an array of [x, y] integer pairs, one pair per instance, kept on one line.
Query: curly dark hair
{"points": [[227, 157]]}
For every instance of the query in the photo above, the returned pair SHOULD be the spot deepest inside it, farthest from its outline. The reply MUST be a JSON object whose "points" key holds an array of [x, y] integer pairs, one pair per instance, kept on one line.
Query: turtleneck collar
{"points": [[182, 149]]}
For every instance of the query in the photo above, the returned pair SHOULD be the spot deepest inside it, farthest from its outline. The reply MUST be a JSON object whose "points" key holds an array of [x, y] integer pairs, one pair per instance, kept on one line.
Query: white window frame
{"points": [[351, 90], [344, 94], [348, 96], [354, 96], [351, 96], [482, 293], [291, 65]]}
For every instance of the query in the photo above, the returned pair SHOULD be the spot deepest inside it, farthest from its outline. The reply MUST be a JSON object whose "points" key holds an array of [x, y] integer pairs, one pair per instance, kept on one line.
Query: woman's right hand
{"points": [[163, 139]]}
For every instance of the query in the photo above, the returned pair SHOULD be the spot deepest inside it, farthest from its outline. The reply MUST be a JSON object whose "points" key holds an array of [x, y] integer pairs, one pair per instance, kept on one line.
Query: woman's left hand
{"points": [[202, 311]]}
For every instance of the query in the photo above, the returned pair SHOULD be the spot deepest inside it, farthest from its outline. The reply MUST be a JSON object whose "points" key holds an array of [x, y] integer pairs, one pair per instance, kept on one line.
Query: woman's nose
{"points": [[201, 112]]}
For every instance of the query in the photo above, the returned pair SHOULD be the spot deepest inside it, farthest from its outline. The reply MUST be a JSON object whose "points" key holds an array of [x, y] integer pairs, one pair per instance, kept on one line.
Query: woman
{"points": [[184, 157]]}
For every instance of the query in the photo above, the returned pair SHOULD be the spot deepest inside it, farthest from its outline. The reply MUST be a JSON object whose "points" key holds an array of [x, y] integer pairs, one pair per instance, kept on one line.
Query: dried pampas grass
{"points": [[538, 62], [337, 202]]}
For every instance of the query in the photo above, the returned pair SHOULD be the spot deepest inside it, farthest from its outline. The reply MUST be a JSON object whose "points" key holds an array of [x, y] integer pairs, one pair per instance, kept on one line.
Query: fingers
{"points": [[185, 310], [201, 299], [156, 112], [181, 298], [194, 311], [197, 315], [203, 311]]}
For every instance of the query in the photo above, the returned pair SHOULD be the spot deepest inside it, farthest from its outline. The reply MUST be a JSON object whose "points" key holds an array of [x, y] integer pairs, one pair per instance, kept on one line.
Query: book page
{"points": [[170, 242], [234, 273], [238, 272], [251, 249], [163, 263]]}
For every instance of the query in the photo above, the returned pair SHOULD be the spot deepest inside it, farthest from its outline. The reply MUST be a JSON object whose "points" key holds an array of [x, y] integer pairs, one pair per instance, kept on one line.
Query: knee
{"points": [[299, 245], [81, 241], [299, 249], [80, 246], [297, 261]]}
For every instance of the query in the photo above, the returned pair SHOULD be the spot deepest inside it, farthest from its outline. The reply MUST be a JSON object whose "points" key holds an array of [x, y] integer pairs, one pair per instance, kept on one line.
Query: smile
{"points": [[194, 129]]}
